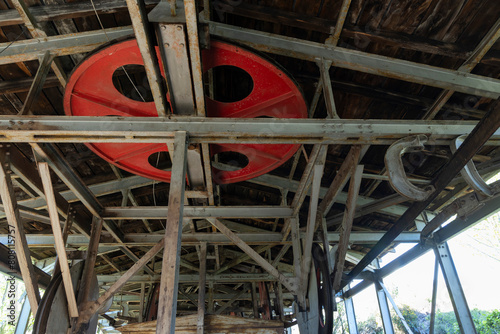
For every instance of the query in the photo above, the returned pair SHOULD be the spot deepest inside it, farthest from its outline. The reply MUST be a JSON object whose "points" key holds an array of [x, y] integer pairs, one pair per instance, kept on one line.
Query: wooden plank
{"points": [[43, 168], [88, 269], [21, 246], [311, 224], [167, 304], [202, 288], [214, 324], [346, 227]]}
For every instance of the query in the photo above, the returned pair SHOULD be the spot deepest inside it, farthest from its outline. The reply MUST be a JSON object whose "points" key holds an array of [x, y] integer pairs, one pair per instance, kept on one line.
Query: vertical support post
{"points": [[22, 322], [21, 245], [37, 84], [43, 168], [351, 315], [210, 297], [255, 301], [311, 222], [146, 46], [396, 308], [88, 269], [383, 306], [201, 289], [434, 297], [457, 295], [167, 305], [345, 229], [141, 304]]}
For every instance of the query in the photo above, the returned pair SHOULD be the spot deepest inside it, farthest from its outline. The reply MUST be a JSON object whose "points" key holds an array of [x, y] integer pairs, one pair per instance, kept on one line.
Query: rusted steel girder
{"points": [[476, 139]]}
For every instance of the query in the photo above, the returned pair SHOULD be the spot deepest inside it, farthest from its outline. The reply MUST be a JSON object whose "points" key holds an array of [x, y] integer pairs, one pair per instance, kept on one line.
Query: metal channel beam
{"points": [[457, 295], [350, 59], [159, 212], [76, 129], [445, 233], [360, 61], [476, 139], [194, 279], [148, 239]]}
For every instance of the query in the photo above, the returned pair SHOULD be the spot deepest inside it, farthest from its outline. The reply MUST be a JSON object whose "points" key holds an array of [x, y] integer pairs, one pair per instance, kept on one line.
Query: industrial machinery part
{"points": [[325, 291], [470, 173], [396, 171], [151, 309], [52, 315], [244, 85]]}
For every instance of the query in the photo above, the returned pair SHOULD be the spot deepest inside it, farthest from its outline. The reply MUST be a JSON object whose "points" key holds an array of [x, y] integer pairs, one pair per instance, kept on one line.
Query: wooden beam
{"points": [[345, 230], [202, 288], [340, 180], [92, 307], [37, 32], [311, 223], [21, 245], [140, 24], [167, 304], [88, 269], [43, 168], [242, 258], [24, 168], [290, 284], [232, 300], [45, 62]]}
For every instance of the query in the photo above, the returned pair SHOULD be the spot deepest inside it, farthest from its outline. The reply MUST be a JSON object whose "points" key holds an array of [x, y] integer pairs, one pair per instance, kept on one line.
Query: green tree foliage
{"points": [[486, 322], [370, 326]]}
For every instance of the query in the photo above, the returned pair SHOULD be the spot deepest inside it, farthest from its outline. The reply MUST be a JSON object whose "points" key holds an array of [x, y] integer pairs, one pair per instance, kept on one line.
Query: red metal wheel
{"points": [[91, 92]]}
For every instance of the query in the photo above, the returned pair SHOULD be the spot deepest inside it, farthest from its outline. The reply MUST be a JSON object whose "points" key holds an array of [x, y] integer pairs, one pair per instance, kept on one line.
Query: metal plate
{"points": [[91, 92], [52, 316]]}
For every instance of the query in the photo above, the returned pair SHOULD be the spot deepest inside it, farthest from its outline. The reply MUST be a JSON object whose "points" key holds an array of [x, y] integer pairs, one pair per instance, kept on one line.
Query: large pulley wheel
{"points": [[324, 290], [269, 92], [52, 315]]}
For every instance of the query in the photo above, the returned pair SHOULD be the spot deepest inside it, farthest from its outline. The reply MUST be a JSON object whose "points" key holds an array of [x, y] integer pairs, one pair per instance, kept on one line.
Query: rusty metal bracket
{"points": [[395, 168], [470, 173]]}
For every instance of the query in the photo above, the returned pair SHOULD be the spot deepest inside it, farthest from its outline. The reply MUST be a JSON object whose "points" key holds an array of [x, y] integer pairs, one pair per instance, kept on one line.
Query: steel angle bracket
{"points": [[470, 173], [396, 172]]}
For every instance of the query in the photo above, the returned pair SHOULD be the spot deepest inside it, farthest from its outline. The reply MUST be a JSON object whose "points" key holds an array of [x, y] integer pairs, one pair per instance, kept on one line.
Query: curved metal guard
{"points": [[396, 171], [470, 173]]}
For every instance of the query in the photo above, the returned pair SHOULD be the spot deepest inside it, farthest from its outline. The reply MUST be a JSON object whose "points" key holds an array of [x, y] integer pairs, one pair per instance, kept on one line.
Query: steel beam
{"points": [[385, 312], [192, 239], [442, 235], [192, 212], [476, 139], [82, 129], [360, 61], [351, 316], [195, 279], [457, 295]]}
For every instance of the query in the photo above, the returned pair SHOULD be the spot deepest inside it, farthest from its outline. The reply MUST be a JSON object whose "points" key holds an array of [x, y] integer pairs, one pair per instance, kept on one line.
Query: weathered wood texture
{"points": [[214, 324]]}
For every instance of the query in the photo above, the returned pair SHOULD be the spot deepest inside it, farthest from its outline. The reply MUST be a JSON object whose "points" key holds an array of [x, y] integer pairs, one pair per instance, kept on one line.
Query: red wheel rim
{"points": [[91, 92]]}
